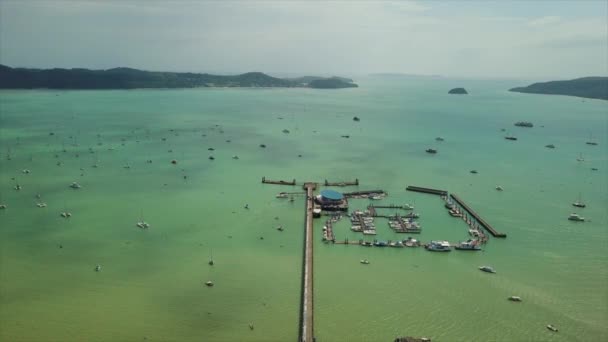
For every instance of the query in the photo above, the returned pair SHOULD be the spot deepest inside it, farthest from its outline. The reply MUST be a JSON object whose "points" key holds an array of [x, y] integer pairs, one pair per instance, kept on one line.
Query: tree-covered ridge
{"points": [[127, 78], [589, 87]]}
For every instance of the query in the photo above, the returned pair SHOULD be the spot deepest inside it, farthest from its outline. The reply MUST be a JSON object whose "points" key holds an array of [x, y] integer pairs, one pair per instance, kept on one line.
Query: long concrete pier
{"points": [[307, 320], [481, 221], [427, 190], [278, 182]]}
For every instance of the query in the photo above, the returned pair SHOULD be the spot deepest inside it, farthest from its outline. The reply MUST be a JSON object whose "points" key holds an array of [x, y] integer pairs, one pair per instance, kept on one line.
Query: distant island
{"points": [[588, 87], [127, 78], [458, 91]]}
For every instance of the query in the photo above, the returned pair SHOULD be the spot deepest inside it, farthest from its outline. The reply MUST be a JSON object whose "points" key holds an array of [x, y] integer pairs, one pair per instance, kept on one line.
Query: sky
{"points": [[526, 39]]}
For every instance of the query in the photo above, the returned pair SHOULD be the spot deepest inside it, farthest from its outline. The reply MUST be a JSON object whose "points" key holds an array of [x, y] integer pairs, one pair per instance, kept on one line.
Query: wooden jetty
{"points": [[278, 182], [390, 206], [427, 190], [306, 318], [481, 221], [356, 182]]}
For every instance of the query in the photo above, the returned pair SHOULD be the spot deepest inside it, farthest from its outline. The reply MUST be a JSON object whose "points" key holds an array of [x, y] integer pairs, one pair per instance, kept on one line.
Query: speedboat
{"points": [[515, 299], [487, 269], [576, 217], [474, 232], [364, 261], [2, 206], [41, 205], [439, 246], [280, 228], [75, 185], [369, 232], [66, 214], [469, 245], [377, 197], [209, 283], [431, 151], [499, 188], [439, 139], [98, 268], [398, 244], [455, 213], [550, 146], [551, 327]]}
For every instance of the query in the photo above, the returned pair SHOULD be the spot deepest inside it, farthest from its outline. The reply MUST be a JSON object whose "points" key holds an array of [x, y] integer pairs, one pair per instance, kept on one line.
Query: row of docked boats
{"points": [[445, 246], [361, 222], [404, 225], [409, 242]]}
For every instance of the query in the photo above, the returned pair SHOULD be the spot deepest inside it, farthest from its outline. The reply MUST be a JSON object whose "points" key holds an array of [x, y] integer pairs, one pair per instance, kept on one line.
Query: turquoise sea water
{"points": [[151, 286]]}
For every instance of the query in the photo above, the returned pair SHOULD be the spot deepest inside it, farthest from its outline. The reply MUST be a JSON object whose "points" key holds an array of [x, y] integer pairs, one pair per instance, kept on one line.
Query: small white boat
{"points": [[209, 283], [143, 225], [364, 261], [66, 214], [515, 299], [41, 205], [2, 206], [576, 218], [408, 206], [580, 158], [75, 185], [551, 327], [499, 188], [487, 269], [98, 268]]}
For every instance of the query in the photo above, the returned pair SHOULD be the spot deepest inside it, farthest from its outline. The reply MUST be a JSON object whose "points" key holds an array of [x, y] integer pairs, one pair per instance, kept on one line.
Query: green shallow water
{"points": [[151, 286]]}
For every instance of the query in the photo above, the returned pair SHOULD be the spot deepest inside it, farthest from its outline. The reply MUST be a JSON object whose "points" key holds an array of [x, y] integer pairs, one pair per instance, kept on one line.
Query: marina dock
{"points": [[481, 221], [356, 182], [427, 190], [306, 319], [278, 182], [364, 193]]}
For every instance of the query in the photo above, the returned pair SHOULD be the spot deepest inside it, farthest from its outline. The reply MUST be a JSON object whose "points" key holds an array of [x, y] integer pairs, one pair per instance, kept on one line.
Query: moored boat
{"points": [[439, 246], [551, 327], [487, 269], [576, 217], [515, 299], [469, 245]]}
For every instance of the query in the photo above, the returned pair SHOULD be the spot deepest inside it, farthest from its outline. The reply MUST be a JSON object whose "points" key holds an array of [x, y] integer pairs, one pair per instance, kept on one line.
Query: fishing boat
{"points": [[579, 203], [364, 261], [576, 217], [487, 269], [515, 299], [439, 246], [551, 327], [431, 151], [469, 245]]}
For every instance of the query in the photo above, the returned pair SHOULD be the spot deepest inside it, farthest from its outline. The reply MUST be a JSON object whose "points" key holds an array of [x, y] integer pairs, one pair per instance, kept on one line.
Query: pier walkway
{"points": [[427, 190], [481, 221], [307, 321]]}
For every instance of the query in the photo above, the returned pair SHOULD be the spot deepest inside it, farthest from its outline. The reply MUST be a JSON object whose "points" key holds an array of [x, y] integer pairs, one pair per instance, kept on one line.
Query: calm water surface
{"points": [[151, 286]]}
